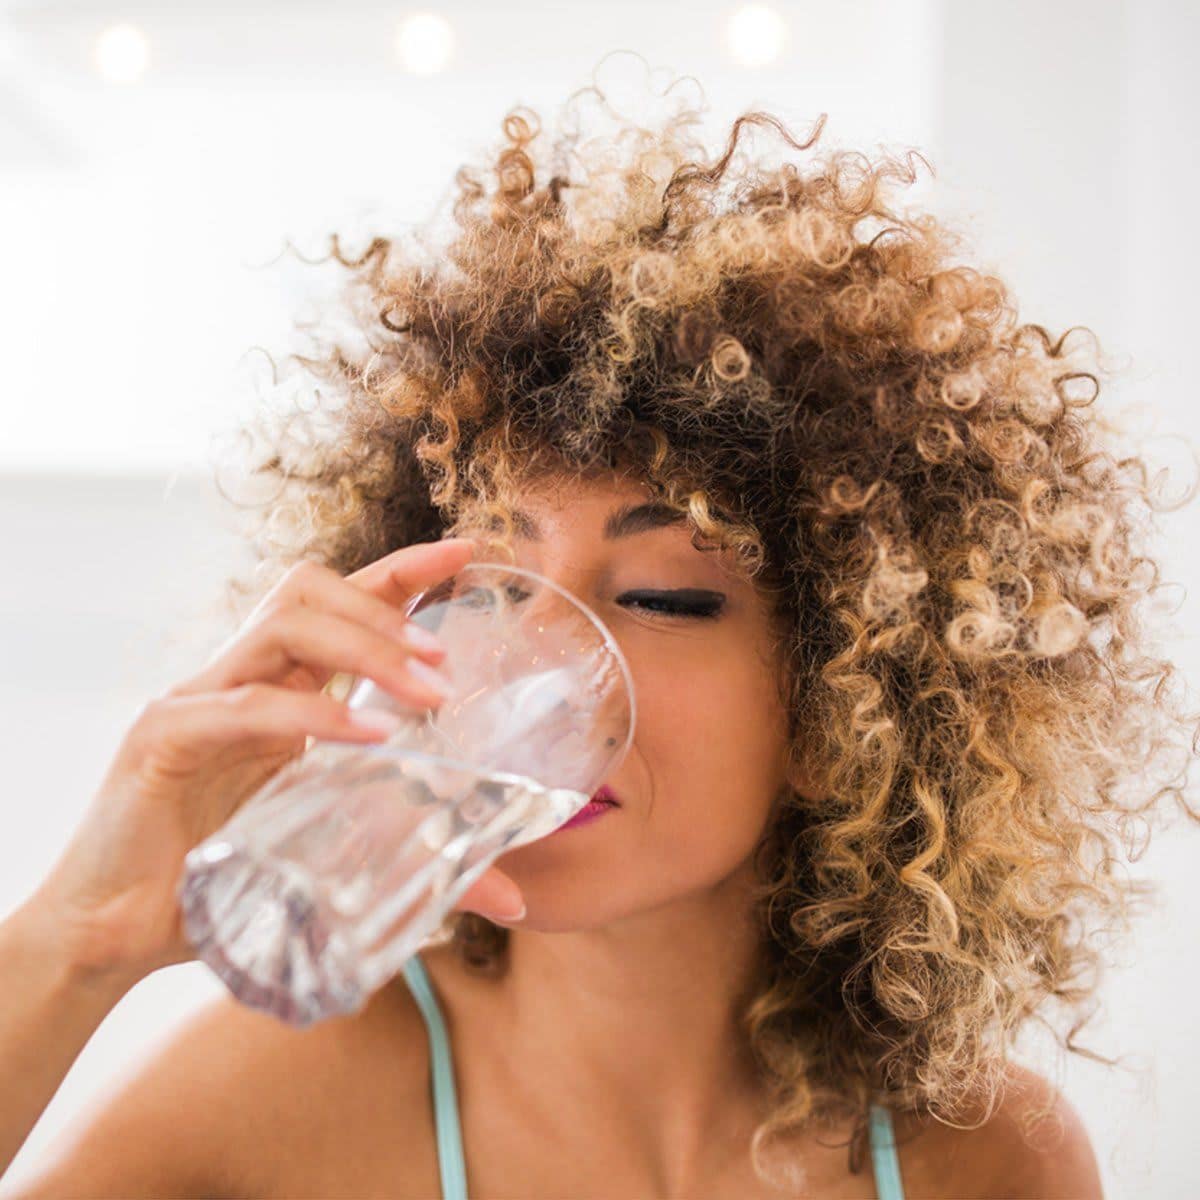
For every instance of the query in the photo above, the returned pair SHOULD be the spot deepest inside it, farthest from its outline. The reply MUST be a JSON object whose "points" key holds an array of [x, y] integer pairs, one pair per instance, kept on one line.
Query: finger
{"points": [[321, 589], [397, 576], [215, 720], [493, 895], [322, 644], [390, 579]]}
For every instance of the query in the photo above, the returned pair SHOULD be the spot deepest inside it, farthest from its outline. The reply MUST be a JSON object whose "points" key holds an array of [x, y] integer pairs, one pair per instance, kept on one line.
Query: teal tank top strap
{"points": [[451, 1164], [445, 1099], [884, 1160]]}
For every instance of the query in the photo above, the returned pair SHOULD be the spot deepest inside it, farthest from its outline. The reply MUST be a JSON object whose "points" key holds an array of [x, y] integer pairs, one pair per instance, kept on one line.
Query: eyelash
{"points": [[706, 607]]}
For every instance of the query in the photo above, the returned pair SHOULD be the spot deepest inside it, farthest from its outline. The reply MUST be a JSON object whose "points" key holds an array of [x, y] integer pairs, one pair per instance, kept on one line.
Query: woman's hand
{"points": [[194, 755]]}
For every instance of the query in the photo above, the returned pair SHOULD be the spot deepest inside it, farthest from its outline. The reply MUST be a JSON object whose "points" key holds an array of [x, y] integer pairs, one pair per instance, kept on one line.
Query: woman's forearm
{"points": [[49, 1008]]}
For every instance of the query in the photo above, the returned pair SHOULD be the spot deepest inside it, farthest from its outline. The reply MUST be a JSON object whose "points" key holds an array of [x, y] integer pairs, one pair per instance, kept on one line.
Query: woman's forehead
{"points": [[599, 486], [551, 500], [628, 523]]}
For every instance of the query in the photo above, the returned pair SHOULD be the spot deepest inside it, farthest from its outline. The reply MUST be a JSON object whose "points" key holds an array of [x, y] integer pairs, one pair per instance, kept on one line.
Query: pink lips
{"points": [[601, 802]]}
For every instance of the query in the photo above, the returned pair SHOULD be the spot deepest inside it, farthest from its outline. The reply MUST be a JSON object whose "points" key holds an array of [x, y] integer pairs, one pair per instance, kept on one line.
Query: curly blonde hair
{"points": [[951, 543]]}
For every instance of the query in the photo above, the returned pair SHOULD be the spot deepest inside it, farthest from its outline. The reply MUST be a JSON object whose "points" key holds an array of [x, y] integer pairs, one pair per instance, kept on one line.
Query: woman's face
{"points": [[696, 786]]}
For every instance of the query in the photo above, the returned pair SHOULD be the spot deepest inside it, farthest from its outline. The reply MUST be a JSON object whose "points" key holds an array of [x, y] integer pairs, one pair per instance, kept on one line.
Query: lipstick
{"points": [[602, 802]]}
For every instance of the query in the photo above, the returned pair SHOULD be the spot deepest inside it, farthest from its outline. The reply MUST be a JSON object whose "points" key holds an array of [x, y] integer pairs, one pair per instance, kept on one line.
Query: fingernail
{"points": [[420, 638], [377, 720], [516, 916], [424, 673]]}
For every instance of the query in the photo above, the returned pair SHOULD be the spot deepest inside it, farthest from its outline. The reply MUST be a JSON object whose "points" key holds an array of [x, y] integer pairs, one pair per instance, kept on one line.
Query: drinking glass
{"points": [[328, 879]]}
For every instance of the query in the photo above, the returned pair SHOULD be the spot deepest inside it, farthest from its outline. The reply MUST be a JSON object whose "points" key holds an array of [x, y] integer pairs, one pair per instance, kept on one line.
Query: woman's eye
{"points": [[482, 597], [683, 602], [687, 602]]}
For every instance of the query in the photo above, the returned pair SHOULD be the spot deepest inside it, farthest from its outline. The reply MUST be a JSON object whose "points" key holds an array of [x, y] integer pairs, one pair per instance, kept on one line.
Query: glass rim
{"points": [[606, 635]]}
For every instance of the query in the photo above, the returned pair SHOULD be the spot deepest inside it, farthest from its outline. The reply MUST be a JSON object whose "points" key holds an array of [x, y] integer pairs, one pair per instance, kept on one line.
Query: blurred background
{"points": [[155, 158]]}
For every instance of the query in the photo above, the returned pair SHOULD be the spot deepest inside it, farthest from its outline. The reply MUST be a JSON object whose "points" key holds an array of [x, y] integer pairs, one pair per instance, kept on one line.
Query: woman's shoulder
{"points": [[344, 1102], [233, 1102], [1033, 1145]]}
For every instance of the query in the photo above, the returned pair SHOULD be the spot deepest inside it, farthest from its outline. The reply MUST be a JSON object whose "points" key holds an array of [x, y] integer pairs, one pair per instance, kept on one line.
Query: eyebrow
{"points": [[622, 522]]}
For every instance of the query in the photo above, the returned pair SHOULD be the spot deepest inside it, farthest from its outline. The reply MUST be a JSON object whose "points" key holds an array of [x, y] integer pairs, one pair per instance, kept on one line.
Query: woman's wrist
{"points": [[51, 952], [50, 1008]]}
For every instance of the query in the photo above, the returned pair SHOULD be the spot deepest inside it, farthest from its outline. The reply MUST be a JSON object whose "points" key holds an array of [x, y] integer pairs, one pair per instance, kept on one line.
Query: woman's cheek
{"points": [[709, 747]]}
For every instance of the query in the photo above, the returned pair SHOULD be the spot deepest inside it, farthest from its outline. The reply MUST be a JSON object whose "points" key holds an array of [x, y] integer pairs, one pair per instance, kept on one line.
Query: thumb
{"points": [[493, 895]]}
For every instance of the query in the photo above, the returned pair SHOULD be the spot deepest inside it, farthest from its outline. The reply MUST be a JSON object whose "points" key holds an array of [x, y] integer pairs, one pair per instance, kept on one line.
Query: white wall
{"points": [[267, 121], [104, 602], [1068, 145], [1057, 133]]}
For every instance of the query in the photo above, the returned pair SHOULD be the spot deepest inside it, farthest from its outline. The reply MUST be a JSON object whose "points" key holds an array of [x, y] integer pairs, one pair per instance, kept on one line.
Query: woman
{"points": [[876, 577]]}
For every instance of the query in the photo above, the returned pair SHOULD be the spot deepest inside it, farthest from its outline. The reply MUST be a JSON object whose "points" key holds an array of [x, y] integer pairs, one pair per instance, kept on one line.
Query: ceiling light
{"points": [[756, 34], [424, 43], [121, 54]]}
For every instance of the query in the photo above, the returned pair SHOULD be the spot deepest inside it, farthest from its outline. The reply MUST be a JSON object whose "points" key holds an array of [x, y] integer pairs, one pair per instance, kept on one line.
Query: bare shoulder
{"points": [[235, 1103], [1034, 1146]]}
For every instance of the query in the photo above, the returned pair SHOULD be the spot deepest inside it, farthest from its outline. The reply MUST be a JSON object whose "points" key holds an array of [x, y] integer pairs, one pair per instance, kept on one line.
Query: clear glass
{"points": [[328, 879]]}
